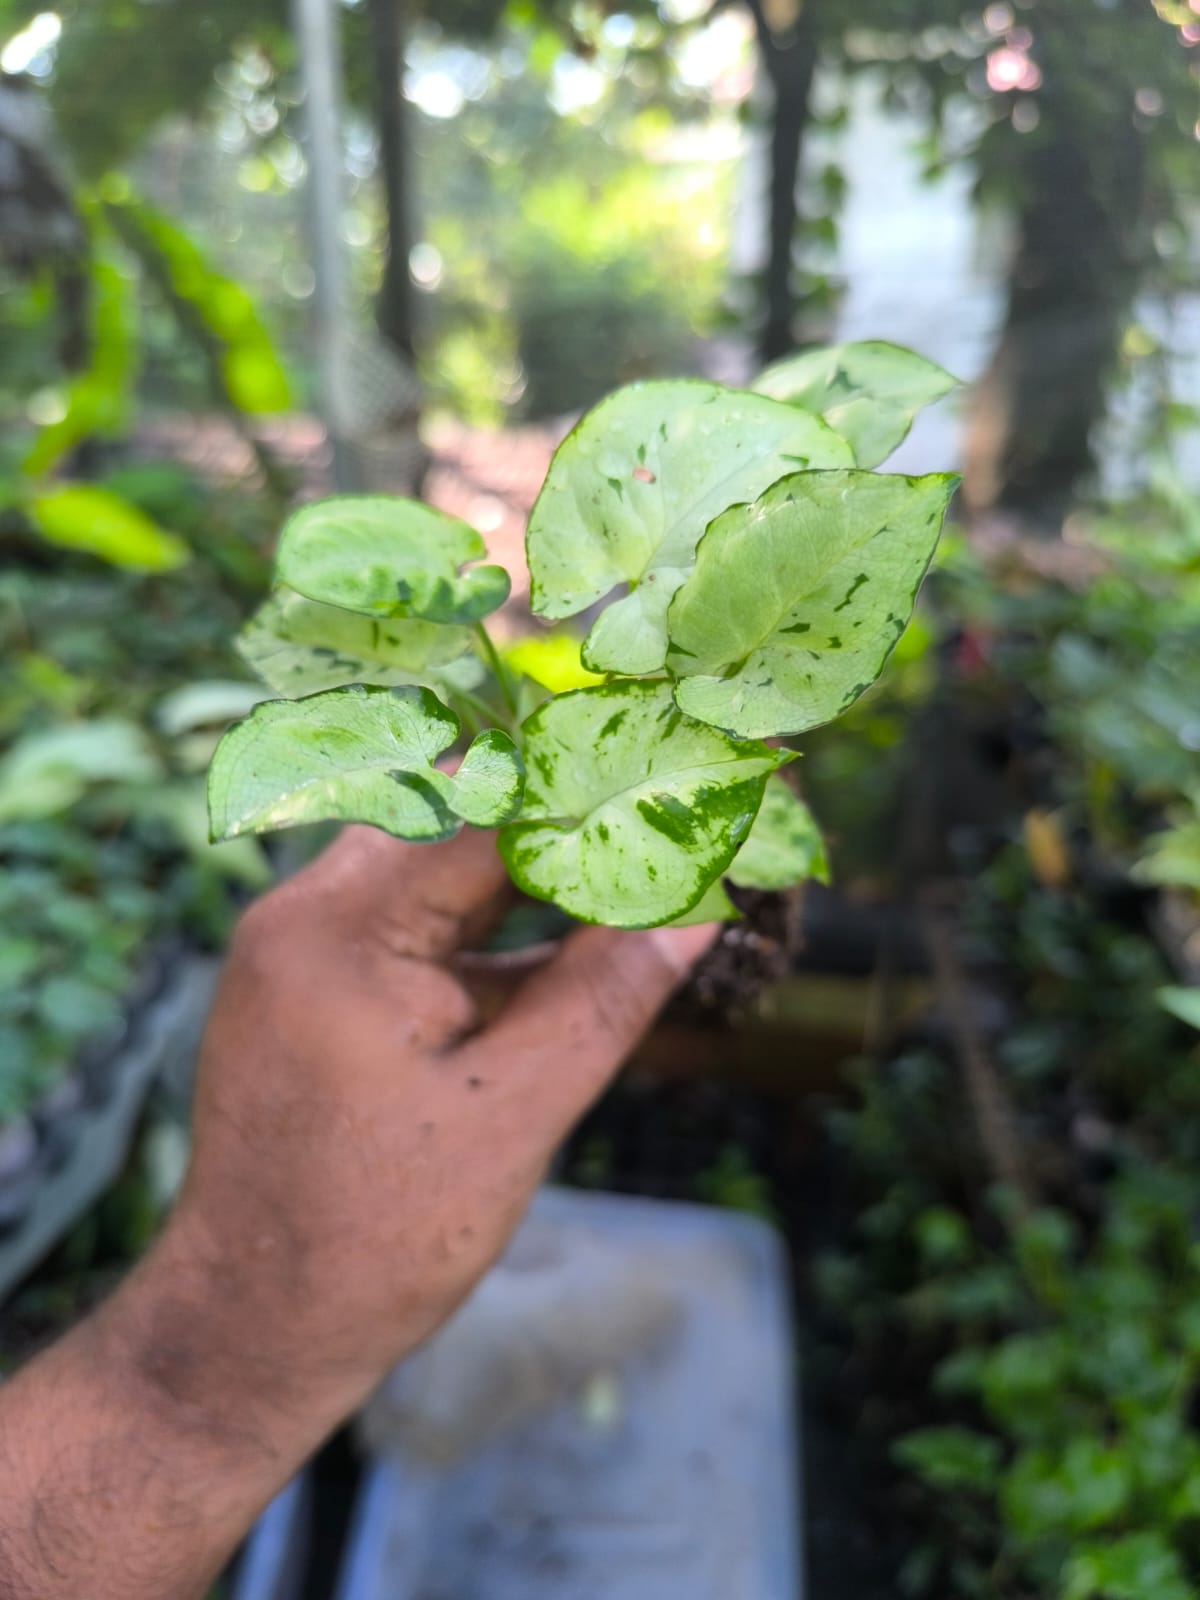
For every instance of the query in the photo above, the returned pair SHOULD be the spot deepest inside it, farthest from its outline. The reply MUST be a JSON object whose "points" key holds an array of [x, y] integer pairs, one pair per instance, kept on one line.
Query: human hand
{"points": [[362, 1153]]}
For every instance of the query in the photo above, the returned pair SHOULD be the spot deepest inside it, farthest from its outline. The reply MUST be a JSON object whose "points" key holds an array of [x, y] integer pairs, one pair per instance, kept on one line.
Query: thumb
{"points": [[572, 1024]]}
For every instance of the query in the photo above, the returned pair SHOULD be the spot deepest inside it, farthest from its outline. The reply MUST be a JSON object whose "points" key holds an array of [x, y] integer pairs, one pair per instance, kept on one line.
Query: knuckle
{"points": [[261, 932], [408, 929], [442, 1010]]}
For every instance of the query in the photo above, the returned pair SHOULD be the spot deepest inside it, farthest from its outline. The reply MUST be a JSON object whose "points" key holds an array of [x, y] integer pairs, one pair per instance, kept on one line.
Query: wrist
{"points": [[202, 1351], [141, 1446]]}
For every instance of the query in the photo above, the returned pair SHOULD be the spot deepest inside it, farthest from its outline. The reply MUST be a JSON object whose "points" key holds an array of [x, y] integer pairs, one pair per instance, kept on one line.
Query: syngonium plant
{"points": [[753, 572]]}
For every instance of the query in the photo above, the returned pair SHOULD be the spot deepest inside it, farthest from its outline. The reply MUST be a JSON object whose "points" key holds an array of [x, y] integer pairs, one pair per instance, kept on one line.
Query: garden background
{"points": [[970, 1094]]}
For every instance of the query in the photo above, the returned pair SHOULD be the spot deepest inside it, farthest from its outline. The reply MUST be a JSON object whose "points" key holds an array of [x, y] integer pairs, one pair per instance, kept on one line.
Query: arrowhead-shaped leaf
{"points": [[868, 392], [784, 847], [359, 755], [299, 647], [631, 490], [714, 905], [388, 557], [797, 600], [631, 809]]}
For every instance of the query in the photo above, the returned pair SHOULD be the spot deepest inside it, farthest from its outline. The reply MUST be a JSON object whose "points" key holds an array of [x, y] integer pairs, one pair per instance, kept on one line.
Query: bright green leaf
{"points": [[1181, 1002], [1020, 1377], [388, 557], [97, 398], [797, 599], [632, 810], [242, 357], [1083, 1486], [942, 1237], [254, 380], [868, 392], [785, 845], [1139, 1566], [631, 490], [100, 523], [299, 646], [951, 1458], [552, 660], [359, 755]]}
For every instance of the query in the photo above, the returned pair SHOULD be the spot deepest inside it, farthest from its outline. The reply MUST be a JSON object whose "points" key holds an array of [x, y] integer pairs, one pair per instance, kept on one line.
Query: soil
{"points": [[750, 955]]}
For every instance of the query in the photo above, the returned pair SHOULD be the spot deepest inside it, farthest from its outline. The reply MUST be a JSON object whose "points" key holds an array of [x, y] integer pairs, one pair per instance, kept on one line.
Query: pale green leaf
{"points": [[182, 808], [714, 905], [631, 490], [785, 845], [1174, 857], [869, 392], [74, 1006], [631, 809], [359, 755], [299, 646], [19, 960], [100, 523], [206, 704], [46, 772], [388, 557], [1181, 1002], [797, 599]]}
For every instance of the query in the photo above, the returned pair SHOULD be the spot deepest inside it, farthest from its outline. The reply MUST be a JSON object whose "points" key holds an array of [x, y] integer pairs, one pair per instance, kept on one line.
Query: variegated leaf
{"points": [[359, 755], [389, 557], [784, 847], [869, 392], [797, 600], [300, 647], [631, 810], [631, 490]]}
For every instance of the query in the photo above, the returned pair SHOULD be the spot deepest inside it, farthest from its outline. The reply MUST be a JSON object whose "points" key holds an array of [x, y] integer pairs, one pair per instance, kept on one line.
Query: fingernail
{"points": [[681, 948]]}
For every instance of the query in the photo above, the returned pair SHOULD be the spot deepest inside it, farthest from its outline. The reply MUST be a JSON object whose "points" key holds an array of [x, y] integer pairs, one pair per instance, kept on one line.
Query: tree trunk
{"points": [[395, 307], [789, 55], [1071, 282]]}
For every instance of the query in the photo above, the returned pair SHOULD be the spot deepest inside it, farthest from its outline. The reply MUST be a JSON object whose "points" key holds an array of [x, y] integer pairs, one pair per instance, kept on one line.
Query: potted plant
{"points": [[752, 573]]}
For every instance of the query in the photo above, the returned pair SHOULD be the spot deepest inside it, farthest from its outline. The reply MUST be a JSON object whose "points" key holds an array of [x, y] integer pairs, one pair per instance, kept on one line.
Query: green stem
{"points": [[475, 713], [491, 655]]}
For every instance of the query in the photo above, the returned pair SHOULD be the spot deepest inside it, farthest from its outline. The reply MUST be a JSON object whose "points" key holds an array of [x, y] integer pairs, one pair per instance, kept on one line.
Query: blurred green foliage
{"points": [[563, 258], [103, 838], [564, 264], [1038, 1361], [1049, 1363]]}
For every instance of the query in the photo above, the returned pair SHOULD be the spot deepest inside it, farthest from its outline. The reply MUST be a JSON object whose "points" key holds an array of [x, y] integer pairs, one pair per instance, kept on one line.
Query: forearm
{"points": [[135, 1454]]}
